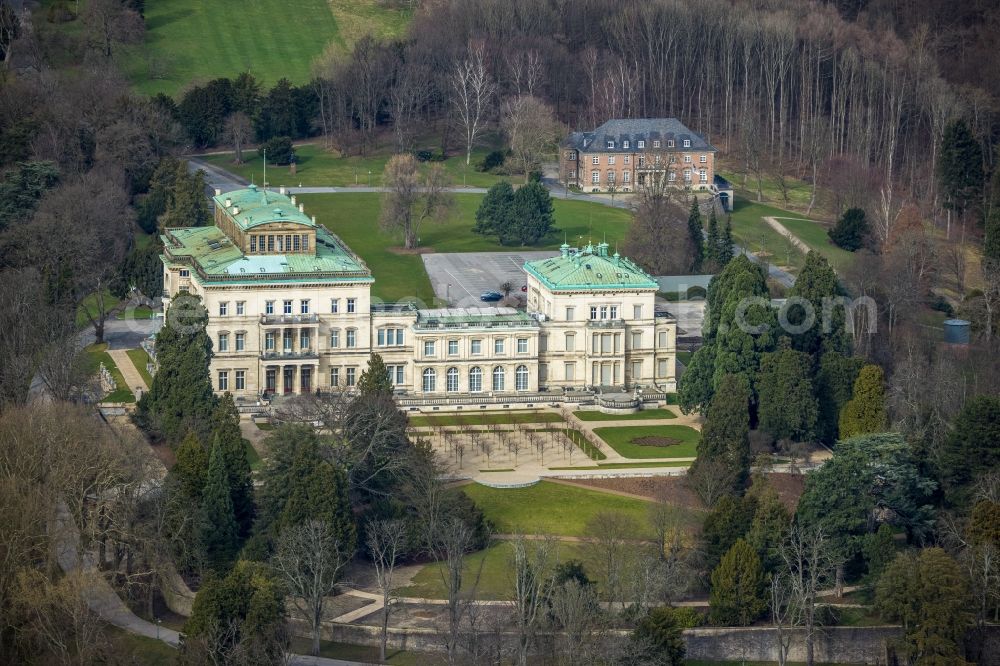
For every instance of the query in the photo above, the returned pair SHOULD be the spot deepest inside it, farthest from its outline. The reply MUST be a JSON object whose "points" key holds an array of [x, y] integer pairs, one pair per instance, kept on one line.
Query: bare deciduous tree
{"points": [[807, 565], [309, 559], [412, 198], [385, 539], [531, 570], [238, 132], [531, 130], [472, 93], [610, 533]]}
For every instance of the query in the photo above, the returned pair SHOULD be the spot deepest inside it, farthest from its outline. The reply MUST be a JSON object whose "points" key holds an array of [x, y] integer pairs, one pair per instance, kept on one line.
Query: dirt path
{"points": [[783, 230], [609, 491]]}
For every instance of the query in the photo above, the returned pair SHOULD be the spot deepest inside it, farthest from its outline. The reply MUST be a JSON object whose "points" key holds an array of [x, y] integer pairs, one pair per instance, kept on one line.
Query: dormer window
{"points": [[641, 143], [670, 143], [687, 143], [625, 144], [656, 144], [611, 144]]}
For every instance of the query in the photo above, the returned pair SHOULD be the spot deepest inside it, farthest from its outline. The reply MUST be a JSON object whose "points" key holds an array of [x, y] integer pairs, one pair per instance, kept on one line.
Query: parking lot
{"points": [[461, 277]]}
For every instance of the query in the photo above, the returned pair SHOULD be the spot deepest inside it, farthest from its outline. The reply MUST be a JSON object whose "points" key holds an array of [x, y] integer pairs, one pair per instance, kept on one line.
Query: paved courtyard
{"points": [[460, 277]]}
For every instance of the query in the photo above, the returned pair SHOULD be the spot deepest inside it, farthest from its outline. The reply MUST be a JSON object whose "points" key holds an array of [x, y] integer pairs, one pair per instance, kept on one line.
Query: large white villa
{"points": [[291, 311]]}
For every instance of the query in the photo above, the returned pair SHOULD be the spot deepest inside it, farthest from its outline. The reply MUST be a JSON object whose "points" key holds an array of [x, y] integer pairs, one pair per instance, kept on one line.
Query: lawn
{"points": [[623, 439], [592, 415], [252, 456], [139, 649], [753, 233], [354, 217], [484, 418], [669, 463], [97, 354], [366, 654], [552, 508], [89, 304], [140, 312], [814, 235], [799, 191], [685, 357], [139, 359], [192, 40], [317, 166]]}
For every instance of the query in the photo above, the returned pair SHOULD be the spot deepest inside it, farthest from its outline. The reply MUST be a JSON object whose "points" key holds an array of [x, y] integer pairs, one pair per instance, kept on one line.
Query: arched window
{"points": [[452, 380], [430, 379], [521, 378], [475, 380], [498, 378]]}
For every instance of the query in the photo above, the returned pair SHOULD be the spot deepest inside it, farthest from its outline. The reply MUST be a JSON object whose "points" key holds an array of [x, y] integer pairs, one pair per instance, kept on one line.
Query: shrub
{"points": [[493, 160], [279, 150], [850, 231], [424, 155]]}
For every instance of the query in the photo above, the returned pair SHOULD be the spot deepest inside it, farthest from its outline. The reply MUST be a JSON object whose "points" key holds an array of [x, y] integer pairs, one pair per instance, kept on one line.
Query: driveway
{"points": [[460, 277]]}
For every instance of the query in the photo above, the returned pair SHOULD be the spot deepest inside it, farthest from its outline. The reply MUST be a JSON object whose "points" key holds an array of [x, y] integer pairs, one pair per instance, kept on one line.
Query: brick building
{"points": [[627, 155]]}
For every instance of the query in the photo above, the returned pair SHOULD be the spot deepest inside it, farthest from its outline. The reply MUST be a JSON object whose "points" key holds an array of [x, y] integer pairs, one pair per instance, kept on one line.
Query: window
{"points": [[305, 242], [543, 343], [430, 380], [287, 307], [184, 273], [334, 338], [223, 380], [352, 305], [595, 177], [295, 243], [596, 159], [498, 346], [429, 347], [476, 346], [521, 378], [656, 159], [641, 143], [636, 339], [241, 380], [452, 380], [352, 337], [661, 369], [702, 175], [270, 243], [571, 173], [614, 312], [334, 376], [662, 339], [304, 339], [627, 159], [571, 342], [269, 307], [611, 144], [593, 312], [241, 308], [286, 341], [223, 308], [241, 339], [352, 376], [611, 160], [334, 305], [269, 341], [636, 370], [671, 159], [569, 371], [687, 175], [627, 176], [304, 306], [670, 143], [522, 345], [570, 313], [625, 145], [498, 378], [604, 312], [703, 159], [672, 177], [656, 143], [571, 156], [642, 161], [281, 243], [687, 159], [611, 177], [395, 374], [223, 342], [636, 312], [475, 380], [687, 143], [453, 348]]}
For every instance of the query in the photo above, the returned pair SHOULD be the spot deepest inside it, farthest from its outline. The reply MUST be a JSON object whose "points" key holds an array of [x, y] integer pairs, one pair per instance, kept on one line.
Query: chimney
{"points": [[218, 191], [302, 208], [314, 219], [229, 202], [293, 199], [236, 210], [281, 190]]}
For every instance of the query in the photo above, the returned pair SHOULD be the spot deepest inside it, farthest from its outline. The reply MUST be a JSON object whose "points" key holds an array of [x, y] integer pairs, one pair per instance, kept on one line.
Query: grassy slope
{"points": [[551, 508], [814, 235], [97, 354], [139, 359], [316, 166], [620, 439], [590, 415], [354, 217], [193, 40]]}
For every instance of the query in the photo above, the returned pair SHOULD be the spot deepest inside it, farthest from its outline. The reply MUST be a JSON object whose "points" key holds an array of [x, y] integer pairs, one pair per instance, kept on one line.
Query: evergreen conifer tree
{"points": [[726, 243], [695, 231], [725, 436], [495, 213], [737, 595], [788, 408], [374, 381], [227, 436], [865, 412], [191, 469], [219, 531], [960, 167]]}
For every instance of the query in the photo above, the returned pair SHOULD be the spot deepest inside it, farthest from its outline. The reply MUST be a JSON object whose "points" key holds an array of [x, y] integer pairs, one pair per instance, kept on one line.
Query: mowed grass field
{"points": [[623, 439], [316, 166], [355, 218], [484, 418], [592, 415], [195, 40]]}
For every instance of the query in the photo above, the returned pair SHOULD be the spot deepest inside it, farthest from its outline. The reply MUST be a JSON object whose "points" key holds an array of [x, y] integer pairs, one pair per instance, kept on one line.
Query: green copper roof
{"points": [[217, 259], [251, 207], [474, 318], [589, 268]]}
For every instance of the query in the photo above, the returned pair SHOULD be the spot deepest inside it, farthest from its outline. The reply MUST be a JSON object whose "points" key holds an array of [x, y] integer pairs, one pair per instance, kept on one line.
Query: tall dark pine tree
{"points": [[725, 437], [726, 242], [219, 531], [374, 382], [713, 241], [227, 436], [960, 168], [495, 214], [818, 284], [695, 231]]}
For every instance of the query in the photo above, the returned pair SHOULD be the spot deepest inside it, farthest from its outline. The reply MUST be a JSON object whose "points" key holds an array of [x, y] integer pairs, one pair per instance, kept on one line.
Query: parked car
{"points": [[491, 296]]}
